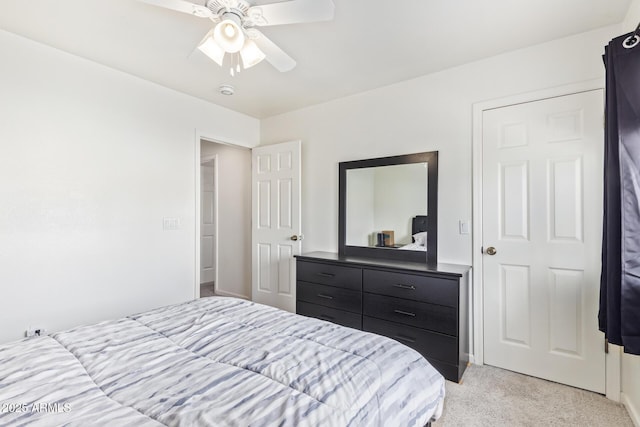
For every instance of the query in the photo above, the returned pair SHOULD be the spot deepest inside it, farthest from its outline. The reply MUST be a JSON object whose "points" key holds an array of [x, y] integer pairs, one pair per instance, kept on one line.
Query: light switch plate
{"points": [[465, 226]]}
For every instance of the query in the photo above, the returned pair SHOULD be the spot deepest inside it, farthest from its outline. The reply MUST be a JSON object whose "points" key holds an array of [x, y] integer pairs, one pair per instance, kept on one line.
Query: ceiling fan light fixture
{"points": [[228, 33], [235, 22], [212, 49], [251, 54]]}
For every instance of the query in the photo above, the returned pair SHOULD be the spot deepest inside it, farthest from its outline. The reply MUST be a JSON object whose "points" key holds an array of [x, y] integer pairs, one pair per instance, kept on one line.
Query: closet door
{"points": [[542, 223]]}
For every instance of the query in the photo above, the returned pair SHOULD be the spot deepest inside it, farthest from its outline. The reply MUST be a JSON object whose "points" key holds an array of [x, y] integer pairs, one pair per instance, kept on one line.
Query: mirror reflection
{"points": [[386, 206]]}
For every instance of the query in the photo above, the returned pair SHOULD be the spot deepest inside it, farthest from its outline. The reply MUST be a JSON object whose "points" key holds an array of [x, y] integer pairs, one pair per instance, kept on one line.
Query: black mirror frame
{"points": [[431, 257]]}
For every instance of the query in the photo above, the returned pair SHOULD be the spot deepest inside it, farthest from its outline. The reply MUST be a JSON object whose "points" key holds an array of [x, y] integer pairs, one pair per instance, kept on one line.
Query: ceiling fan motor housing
{"points": [[220, 7]]}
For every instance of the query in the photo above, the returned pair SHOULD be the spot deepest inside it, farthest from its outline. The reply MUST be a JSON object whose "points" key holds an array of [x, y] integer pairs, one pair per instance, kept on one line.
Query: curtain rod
{"points": [[633, 40]]}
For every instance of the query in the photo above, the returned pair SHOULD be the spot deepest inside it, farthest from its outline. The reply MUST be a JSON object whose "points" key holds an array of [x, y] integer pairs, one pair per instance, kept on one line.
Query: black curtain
{"points": [[619, 316]]}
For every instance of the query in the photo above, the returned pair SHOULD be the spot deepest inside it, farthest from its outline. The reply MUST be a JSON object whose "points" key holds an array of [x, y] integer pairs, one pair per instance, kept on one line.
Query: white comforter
{"points": [[219, 362]]}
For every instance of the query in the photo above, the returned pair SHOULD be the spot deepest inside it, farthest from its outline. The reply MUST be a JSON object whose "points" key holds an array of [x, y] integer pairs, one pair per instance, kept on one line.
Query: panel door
{"points": [[276, 223], [207, 223], [542, 212]]}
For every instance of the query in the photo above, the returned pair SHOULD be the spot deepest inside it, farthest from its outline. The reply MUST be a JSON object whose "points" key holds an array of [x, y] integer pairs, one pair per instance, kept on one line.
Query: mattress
{"points": [[216, 361]]}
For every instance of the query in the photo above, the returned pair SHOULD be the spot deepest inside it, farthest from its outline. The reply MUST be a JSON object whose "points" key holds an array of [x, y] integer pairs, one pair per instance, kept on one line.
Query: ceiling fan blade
{"points": [[182, 6], [292, 12], [276, 56]]}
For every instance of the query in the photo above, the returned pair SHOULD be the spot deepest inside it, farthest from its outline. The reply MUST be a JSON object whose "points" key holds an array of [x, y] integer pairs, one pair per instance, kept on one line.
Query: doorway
{"points": [[223, 232]]}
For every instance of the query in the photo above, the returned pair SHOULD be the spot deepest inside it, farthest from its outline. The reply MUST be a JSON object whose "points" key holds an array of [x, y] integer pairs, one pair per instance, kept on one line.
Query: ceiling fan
{"points": [[235, 31]]}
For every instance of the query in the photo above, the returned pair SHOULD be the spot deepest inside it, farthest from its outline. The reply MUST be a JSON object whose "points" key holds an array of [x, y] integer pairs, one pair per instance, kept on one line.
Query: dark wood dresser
{"points": [[424, 308]]}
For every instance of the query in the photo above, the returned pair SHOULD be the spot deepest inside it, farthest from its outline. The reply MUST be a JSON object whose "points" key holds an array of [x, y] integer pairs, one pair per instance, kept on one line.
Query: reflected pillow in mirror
{"points": [[420, 238]]}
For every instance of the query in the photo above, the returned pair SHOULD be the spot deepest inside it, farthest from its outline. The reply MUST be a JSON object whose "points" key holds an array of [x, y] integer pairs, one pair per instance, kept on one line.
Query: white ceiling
{"points": [[367, 45]]}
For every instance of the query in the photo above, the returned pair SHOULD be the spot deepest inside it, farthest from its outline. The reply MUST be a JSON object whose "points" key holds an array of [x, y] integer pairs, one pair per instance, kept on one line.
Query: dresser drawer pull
{"points": [[328, 275], [325, 296], [403, 338], [407, 287], [404, 313], [326, 317]]}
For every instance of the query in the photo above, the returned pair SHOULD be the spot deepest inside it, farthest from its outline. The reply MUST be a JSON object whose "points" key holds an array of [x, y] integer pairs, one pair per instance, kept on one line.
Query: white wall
{"points": [[433, 112], [360, 207], [631, 364], [401, 194], [631, 385], [234, 218], [91, 161]]}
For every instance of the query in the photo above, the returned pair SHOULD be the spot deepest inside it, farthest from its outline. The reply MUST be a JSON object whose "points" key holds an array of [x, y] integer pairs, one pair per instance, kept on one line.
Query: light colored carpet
{"points": [[207, 290], [490, 396]]}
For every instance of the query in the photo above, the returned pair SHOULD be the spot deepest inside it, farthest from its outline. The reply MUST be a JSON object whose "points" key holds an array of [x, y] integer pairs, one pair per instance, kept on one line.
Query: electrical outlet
{"points": [[170, 223], [35, 331]]}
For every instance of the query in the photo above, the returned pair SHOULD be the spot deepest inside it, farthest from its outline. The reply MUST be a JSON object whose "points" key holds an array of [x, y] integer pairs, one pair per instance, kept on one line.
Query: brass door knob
{"points": [[295, 237], [491, 250]]}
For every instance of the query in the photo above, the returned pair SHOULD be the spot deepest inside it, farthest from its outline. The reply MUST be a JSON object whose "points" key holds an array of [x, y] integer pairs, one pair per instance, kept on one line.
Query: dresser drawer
{"points": [[327, 274], [435, 290], [340, 317], [437, 318], [330, 296], [429, 344]]}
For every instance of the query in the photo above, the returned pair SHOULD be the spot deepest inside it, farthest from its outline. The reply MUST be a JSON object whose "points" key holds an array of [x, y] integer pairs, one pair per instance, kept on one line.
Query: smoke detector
{"points": [[227, 90]]}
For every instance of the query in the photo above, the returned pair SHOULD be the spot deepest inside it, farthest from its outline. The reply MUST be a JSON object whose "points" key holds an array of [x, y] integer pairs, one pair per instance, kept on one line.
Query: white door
{"points": [[207, 223], [542, 212], [276, 223]]}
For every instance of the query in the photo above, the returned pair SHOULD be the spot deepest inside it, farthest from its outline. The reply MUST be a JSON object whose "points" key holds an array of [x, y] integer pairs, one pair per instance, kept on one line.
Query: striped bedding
{"points": [[219, 362]]}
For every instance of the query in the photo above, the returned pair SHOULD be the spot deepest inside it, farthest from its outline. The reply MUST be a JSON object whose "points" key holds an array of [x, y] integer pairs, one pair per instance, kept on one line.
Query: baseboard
{"points": [[230, 294], [633, 411]]}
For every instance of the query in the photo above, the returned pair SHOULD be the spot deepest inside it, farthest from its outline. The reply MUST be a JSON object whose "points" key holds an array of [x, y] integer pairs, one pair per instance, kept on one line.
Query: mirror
{"points": [[385, 198], [388, 207]]}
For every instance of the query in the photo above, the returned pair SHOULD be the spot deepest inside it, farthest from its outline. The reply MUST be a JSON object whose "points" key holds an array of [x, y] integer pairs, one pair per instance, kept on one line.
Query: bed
{"points": [[418, 234], [216, 361]]}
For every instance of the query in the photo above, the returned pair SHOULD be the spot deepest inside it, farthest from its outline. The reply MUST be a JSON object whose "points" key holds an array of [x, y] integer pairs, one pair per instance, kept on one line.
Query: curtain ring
{"points": [[631, 41]]}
